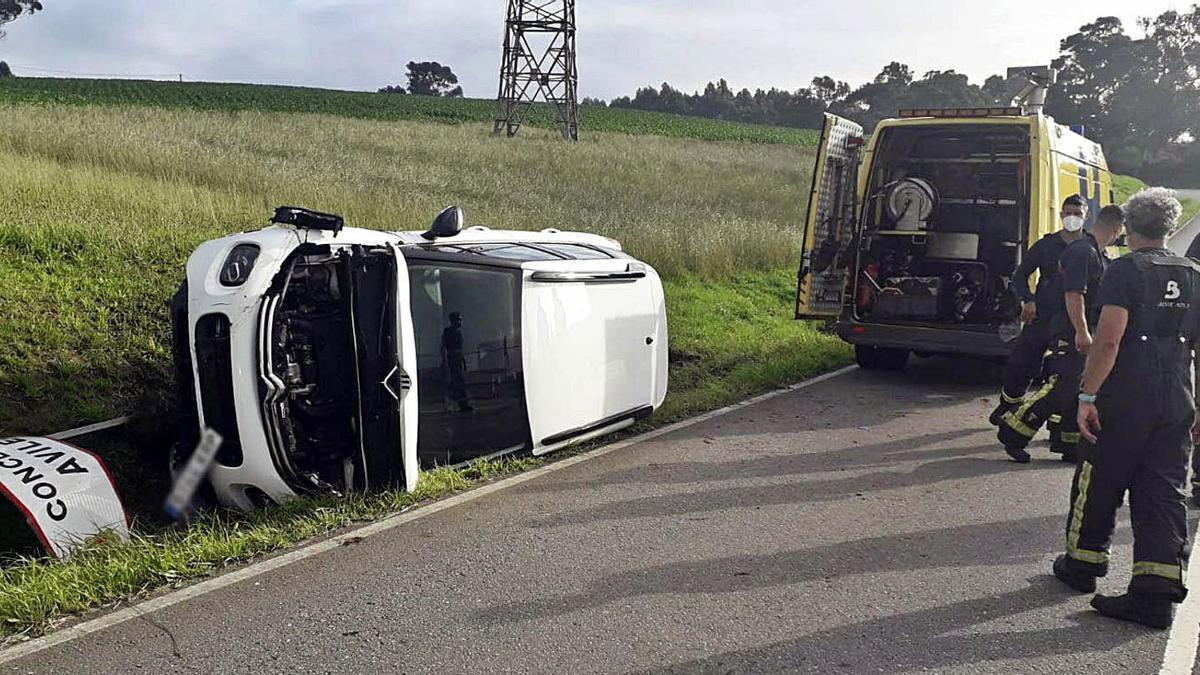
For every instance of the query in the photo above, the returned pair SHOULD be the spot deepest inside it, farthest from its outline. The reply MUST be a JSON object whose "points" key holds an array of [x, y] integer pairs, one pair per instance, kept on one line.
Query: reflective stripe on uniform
{"points": [[1172, 572], [1069, 437], [1010, 400], [1016, 419], [1073, 550], [1056, 419]]}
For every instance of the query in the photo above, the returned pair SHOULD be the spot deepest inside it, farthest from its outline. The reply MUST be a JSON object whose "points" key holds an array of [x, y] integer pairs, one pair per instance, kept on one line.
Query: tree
{"points": [[430, 78], [392, 89], [11, 10], [5, 71]]}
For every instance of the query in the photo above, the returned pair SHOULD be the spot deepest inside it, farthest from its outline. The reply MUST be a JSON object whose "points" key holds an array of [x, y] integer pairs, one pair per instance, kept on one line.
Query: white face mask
{"points": [[1073, 223]]}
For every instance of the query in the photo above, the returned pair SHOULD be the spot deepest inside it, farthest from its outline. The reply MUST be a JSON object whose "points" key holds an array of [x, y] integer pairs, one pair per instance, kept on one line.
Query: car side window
{"points": [[470, 378]]}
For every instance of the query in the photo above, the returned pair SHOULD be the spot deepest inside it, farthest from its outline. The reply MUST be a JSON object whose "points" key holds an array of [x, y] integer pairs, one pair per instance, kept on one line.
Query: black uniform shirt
{"points": [[1193, 251], [1123, 285], [1082, 266], [1042, 256]]}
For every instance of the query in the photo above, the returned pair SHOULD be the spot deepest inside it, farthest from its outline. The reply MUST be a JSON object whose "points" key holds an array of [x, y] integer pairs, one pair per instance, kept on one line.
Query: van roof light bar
{"points": [[308, 219], [1008, 111]]}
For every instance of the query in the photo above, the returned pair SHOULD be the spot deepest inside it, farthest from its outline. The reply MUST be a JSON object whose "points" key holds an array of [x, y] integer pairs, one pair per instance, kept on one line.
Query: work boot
{"points": [[1001, 410], [1155, 611], [1018, 454], [1080, 581]]}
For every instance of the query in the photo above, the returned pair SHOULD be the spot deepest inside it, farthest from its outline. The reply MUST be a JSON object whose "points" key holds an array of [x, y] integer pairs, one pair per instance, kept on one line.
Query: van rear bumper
{"points": [[926, 340]]}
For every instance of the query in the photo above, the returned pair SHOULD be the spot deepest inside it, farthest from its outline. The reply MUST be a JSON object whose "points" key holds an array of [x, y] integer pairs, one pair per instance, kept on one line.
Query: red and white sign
{"points": [[65, 492]]}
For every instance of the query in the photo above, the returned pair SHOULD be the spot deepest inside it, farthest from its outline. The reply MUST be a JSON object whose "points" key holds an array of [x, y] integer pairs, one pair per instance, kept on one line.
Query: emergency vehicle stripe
{"points": [[1073, 550], [1016, 419], [1172, 572]]}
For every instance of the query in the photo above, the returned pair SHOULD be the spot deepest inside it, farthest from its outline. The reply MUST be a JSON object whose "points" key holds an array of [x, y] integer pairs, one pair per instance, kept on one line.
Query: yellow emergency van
{"points": [[913, 236]]}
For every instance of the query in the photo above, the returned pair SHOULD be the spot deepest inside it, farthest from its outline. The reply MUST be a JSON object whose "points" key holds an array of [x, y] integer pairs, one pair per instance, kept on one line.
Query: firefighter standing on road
{"points": [[1080, 269], [1137, 415], [1193, 252], [1038, 309]]}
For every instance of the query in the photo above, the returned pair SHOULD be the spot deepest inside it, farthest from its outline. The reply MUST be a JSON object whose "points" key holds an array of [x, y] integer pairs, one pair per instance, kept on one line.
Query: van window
{"points": [[470, 379]]}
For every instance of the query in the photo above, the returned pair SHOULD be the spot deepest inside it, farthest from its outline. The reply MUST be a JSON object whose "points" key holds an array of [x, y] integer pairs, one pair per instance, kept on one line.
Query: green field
{"points": [[365, 105]]}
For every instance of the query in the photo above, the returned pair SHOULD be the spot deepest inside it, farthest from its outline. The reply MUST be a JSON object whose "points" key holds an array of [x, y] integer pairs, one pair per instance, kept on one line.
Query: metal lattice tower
{"points": [[539, 60]]}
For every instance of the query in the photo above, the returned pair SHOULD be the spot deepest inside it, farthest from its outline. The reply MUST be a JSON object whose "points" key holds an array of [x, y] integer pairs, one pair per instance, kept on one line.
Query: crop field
{"points": [[367, 105]]}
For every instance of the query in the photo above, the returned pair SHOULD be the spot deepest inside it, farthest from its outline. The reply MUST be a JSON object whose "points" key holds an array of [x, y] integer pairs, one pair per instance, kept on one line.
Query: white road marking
{"points": [[252, 570], [1179, 658]]}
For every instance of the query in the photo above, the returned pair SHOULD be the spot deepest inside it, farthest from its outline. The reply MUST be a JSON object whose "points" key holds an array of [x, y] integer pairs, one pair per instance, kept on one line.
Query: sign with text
{"points": [[65, 492]]}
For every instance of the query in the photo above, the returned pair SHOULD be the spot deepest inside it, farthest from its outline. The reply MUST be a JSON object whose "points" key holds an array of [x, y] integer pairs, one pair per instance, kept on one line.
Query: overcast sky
{"points": [[623, 44]]}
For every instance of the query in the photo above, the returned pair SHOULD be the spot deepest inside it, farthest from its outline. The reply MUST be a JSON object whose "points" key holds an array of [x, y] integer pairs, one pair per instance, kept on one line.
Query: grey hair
{"points": [[1153, 213]]}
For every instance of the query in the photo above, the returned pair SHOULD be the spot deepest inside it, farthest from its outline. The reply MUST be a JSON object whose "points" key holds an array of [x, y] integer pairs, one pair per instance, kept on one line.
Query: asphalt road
{"points": [[868, 523]]}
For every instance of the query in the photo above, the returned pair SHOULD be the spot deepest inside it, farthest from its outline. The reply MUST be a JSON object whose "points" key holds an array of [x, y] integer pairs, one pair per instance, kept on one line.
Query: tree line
{"points": [[1138, 95]]}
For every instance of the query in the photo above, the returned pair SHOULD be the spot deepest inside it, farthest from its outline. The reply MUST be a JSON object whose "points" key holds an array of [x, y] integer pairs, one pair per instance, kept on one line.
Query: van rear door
{"points": [[826, 253]]}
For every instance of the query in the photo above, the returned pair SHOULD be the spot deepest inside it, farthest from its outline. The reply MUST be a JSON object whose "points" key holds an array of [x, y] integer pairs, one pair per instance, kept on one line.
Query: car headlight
{"points": [[238, 264]]}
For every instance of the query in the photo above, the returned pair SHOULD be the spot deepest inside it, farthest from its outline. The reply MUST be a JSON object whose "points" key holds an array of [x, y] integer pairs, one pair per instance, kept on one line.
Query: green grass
{"points": [[365, 105], [100, 206], [1126, 186]]}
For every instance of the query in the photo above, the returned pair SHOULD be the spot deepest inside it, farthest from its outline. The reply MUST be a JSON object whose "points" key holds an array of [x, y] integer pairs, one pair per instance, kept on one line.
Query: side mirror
{"points": [[447, 223]]}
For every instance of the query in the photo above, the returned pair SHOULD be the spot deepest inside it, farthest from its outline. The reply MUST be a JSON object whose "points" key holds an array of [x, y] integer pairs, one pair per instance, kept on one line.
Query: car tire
{"points": [[880, 358]]}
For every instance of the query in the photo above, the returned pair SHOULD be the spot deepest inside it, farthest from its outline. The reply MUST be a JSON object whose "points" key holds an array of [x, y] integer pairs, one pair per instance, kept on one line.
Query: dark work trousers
{"points": [[1025, 361], [1143, 448], [1054, 403]]}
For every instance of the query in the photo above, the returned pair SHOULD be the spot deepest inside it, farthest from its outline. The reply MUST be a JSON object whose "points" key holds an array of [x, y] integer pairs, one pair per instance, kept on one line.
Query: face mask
{"points": [[1073, 223]]}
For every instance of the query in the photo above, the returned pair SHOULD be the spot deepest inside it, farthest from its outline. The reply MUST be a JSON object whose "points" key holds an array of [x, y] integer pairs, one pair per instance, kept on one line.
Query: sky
{"points": [[623, 44]]}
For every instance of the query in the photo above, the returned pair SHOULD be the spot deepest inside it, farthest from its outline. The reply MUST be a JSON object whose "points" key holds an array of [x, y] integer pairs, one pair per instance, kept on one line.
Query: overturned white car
{"points": [[340, 359]]}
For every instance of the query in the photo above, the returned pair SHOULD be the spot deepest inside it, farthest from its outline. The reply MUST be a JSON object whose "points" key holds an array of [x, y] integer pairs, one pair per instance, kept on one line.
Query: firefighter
{"points": [[1137, 416], [1038, 309], [1080, 269]]}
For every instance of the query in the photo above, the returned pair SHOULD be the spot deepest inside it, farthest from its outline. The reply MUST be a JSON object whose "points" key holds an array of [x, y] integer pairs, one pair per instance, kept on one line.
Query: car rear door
{"points": [[827, 254]]}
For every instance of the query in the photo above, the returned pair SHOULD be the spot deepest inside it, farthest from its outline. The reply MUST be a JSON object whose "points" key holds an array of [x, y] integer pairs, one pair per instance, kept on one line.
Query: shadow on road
{"points": [[928, 639], [961, 467], [1024, 541]]}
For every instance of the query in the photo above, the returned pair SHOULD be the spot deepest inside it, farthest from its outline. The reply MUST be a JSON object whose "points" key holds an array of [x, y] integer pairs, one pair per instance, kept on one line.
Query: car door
{"points": [[592, 345], [827, 254]]}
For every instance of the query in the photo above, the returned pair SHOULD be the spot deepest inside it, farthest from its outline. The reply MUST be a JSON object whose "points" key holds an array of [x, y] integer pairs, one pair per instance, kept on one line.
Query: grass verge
{"points": [[730, 340]]}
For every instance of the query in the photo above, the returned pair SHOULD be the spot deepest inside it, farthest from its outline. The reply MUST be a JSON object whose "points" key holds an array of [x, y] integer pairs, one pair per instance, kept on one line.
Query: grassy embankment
{"points": [[99, 208]]}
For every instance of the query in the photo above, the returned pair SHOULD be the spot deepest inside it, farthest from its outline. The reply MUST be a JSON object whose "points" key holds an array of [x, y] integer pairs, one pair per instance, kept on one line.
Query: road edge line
{"points": [[254, 569], [1179, 656]]}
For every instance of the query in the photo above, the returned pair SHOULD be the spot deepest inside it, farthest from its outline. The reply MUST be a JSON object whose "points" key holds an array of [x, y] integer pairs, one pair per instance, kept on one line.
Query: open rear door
{"points": [[826, 249]]}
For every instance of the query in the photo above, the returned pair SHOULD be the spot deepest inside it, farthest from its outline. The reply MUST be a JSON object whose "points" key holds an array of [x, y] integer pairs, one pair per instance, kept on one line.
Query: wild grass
{"points": [[100, 207]]}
